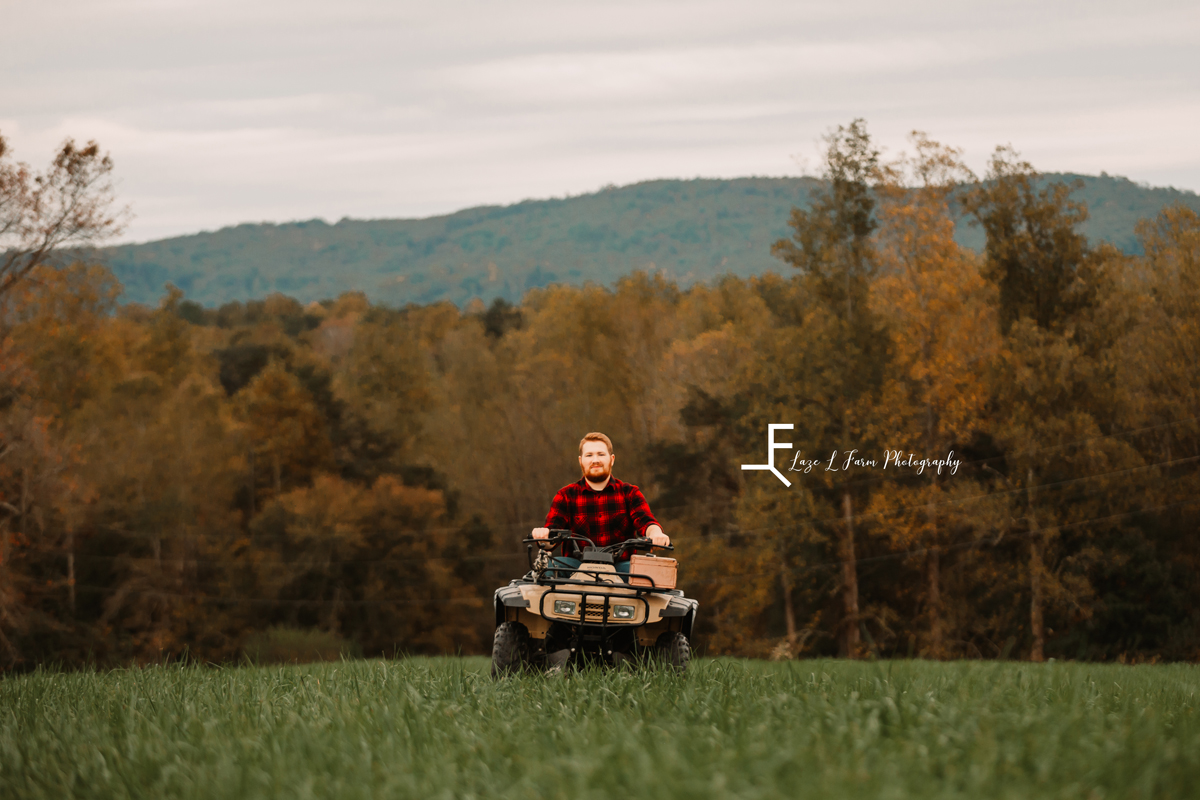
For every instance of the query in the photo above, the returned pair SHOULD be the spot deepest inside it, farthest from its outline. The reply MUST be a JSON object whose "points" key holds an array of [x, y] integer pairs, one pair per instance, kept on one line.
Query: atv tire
{"points": [[510, 649], [672, 649]]}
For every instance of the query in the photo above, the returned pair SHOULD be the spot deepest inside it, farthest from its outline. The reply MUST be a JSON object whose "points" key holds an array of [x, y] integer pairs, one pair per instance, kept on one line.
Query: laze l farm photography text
{"points": [[844, 461]]}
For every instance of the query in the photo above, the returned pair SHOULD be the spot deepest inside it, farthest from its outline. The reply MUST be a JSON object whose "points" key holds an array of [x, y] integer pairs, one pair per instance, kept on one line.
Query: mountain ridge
{"points": [[690, 230]]}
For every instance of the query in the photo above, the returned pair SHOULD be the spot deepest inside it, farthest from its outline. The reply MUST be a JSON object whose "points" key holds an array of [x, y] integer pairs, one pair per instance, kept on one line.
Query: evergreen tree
{"points": [[832, 248]]}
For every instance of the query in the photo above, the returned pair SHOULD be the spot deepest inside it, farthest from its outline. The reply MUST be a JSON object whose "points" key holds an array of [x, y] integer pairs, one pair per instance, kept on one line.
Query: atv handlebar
{"points": [[558, 536], [640, 543]]}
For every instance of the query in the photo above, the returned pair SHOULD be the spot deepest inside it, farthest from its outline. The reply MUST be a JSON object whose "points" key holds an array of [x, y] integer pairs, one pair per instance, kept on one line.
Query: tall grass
{"points": [[440, 728]]}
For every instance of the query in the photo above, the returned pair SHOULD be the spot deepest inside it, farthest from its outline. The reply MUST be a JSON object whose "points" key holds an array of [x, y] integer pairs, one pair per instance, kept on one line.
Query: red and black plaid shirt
{"points": [[617, 512]]}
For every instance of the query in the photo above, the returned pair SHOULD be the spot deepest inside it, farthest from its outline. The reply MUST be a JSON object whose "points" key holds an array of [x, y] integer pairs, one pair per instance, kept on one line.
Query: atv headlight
{"points": [[565, 607], [623, 612]]}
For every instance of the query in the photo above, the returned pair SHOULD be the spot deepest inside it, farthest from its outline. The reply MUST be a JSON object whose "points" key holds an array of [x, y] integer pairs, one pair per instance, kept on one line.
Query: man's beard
{"points": [[588, 474]]}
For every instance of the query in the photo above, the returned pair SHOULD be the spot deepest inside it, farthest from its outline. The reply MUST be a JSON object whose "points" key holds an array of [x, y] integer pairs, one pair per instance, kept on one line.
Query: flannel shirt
{"points": [[617, 512]]}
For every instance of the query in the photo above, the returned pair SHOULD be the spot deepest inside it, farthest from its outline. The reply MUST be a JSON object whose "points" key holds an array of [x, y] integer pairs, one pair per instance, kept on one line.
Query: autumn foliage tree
{"points": [[942, 332], [68, 205]]}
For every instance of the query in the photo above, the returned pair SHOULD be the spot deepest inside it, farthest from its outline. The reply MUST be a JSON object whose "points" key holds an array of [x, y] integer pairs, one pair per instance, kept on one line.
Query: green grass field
{"points": [[440, 728]]}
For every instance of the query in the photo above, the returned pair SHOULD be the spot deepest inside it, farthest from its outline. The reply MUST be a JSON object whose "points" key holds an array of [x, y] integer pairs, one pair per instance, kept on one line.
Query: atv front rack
{"points": [[542, 580]]}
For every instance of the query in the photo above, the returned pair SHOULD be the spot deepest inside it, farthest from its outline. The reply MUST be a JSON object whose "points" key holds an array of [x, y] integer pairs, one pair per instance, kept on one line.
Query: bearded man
{"points": [[601, 507]]}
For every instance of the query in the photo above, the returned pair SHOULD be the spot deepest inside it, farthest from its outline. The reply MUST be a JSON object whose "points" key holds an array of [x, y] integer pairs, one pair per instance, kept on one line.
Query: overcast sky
{"points": [[263, 110]]}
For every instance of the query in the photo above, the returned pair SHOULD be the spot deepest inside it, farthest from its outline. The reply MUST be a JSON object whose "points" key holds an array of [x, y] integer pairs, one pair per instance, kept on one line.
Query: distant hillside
{"points": [[691, 230]]}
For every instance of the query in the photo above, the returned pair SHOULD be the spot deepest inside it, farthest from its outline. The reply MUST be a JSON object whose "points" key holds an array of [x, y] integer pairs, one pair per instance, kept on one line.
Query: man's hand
{"points": [[656, 535], [541, 533]]}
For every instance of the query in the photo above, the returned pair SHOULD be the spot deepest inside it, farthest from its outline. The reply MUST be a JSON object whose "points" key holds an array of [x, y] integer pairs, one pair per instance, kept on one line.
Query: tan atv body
{"points": [[558, 617], [653, 614]]}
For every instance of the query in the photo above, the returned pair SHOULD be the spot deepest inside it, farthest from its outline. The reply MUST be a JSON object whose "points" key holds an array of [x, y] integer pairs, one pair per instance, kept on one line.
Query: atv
{"points": [[561, 616]]}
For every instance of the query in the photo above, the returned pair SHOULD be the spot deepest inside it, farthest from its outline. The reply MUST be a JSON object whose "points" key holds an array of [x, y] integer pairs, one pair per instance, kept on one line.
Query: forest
{"points": [[179, 481]]}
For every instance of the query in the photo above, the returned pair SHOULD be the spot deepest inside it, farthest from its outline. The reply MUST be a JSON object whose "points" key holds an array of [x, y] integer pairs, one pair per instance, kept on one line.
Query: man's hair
{"points": [[595, 436]]}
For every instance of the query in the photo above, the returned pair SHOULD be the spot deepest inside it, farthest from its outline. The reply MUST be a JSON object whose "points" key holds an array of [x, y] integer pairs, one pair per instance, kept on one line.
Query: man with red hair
{"points": [[603, 508]]}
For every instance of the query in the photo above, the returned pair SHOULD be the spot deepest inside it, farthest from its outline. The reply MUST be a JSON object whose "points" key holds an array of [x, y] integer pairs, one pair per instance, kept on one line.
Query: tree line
{"points": [[181, 479]]}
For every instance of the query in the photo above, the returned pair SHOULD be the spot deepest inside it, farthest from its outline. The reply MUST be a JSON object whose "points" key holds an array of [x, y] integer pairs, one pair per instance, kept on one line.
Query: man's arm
{"points": [[643, 520], [655, 532], [558, 517]]}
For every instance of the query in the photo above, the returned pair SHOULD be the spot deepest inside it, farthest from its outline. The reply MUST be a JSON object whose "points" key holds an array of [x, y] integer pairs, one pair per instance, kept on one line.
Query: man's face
{"points": [[596, 462]]}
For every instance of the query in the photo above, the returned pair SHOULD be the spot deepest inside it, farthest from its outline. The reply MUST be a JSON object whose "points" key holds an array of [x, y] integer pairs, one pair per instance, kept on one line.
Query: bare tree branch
{"points": [[69, 205]]}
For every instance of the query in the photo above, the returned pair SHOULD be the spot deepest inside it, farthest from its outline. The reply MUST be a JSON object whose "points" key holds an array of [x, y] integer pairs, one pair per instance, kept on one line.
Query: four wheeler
{"points": [[557, 617]]}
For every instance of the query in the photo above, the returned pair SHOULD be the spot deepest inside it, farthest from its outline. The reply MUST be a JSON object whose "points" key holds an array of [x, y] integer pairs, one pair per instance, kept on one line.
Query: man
{"points": [[601, 507]]}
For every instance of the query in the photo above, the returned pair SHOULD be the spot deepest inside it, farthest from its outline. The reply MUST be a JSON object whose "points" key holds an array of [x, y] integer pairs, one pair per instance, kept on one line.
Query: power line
{"points": [[309, 602], [492, 558], [171, 559], [807, 569], [949, 501], [960, 501], [1043, 449], [500, 526], [974, 543]]}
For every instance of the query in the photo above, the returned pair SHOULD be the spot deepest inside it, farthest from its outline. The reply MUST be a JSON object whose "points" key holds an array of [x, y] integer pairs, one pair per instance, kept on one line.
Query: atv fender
{"points": [[682, 607], [508, 597]]}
